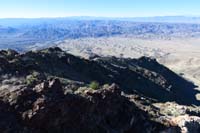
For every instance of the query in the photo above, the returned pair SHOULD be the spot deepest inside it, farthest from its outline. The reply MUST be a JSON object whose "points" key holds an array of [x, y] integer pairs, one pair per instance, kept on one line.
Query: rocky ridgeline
{"points": [[45, 108], [49, 91]]}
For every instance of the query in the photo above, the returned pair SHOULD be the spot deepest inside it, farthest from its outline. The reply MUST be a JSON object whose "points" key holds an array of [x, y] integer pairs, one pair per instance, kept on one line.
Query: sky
{"points": [[98, 8]]}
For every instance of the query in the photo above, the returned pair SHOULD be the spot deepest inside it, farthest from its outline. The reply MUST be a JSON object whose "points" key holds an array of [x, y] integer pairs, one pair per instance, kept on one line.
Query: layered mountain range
{"points": [[20, 34]]}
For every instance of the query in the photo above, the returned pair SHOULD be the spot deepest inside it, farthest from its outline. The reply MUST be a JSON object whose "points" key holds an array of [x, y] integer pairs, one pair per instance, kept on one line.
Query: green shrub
{"points": [[32, 78], [94, 85]]}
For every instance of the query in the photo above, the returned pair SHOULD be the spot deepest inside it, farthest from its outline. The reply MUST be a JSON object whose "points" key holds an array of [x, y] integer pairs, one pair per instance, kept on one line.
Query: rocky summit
{"points": [[50, 90]]}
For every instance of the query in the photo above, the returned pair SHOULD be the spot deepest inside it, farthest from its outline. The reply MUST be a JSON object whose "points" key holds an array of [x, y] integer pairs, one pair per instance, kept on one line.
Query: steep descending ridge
{"points": [[143, 75], [47, 91], [152, 79]]}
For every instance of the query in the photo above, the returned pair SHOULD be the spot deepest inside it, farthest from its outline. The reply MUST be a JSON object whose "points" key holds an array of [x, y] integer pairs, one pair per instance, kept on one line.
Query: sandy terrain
{"points": [[180, 55]]}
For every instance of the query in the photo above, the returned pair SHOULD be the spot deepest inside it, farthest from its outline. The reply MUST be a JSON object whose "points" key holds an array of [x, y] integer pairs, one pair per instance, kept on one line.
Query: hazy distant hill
{"points": [[21, 33], [35, 21]]}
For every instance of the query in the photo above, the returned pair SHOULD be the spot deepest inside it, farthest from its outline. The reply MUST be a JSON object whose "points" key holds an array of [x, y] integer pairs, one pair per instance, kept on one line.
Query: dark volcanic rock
{"points": [[46, 91], [46, 109]]}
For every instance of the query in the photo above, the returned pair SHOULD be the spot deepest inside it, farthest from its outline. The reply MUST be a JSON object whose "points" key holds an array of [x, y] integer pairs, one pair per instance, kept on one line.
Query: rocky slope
{"points": [[51, 91], [45, 108], [184, 61]]}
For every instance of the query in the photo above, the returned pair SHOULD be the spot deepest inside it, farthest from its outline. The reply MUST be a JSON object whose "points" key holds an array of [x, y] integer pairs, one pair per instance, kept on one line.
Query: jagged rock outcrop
{"points": [[45, 108]]}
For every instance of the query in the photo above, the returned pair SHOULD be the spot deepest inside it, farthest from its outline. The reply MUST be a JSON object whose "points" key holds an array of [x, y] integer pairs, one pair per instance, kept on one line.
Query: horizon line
{"points": [[118, 17]]}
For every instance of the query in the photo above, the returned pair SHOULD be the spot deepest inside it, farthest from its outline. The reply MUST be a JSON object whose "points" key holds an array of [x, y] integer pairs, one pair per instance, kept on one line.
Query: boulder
{"points": [[187, 124]]}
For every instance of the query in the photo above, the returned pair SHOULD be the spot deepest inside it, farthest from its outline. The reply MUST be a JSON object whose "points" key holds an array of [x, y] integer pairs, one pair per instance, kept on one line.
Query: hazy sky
{"points": [[107, 8]]}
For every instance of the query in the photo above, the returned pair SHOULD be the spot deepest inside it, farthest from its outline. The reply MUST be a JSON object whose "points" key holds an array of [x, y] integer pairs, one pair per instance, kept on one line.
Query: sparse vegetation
{"points": [[32, 78], [94, 85]]}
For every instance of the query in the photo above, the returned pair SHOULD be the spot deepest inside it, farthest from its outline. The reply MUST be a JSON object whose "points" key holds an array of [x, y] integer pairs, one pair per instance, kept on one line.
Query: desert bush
{"points": [[94, 85]]}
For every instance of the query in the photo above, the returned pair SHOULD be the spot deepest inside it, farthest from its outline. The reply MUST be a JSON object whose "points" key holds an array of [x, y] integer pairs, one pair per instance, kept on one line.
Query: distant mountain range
{"points": [[160, 19], [21, 33]]}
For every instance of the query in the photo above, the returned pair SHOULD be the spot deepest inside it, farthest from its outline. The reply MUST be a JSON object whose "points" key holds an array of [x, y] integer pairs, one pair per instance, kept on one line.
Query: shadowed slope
{"points": [[143, 75]]}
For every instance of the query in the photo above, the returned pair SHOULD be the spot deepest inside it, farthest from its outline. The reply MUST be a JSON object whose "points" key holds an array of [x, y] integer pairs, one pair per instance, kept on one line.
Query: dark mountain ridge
{"points": [[144, 75], [52, 91]]}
